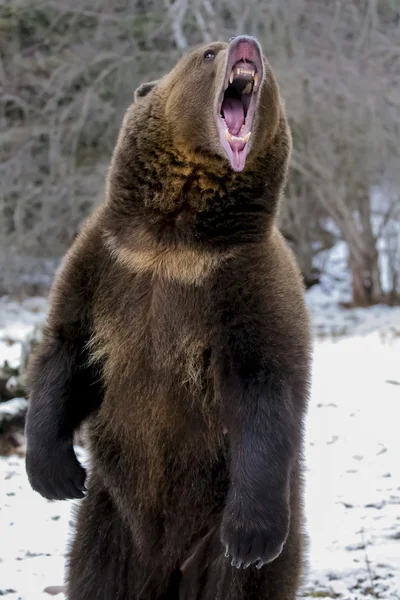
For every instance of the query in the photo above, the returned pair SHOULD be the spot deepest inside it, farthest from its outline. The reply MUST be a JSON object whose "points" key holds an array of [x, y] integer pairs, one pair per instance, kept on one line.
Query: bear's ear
{"points": [[144, 89]]}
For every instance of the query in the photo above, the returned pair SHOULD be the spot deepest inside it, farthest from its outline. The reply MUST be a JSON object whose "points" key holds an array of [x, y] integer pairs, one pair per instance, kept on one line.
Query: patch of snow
{"points": [[12, 408], [18, 321], [331, 320], [34, 535], [335, 282], [385, 201], [353, 477]]}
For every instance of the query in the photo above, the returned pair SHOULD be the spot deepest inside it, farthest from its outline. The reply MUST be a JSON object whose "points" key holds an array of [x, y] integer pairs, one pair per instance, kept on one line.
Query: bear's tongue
{"points": [[233, 111]]}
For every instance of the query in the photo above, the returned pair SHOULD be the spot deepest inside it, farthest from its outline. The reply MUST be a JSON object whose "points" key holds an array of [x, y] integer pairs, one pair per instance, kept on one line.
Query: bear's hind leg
{"points": [[104, 563]]}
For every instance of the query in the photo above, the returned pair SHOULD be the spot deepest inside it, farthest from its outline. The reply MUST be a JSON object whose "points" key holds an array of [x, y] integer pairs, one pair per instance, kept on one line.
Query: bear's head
{"points": [[221, 99]]}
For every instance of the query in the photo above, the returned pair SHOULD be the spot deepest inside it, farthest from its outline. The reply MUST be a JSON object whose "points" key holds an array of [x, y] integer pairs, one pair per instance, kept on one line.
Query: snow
{"points": [[385, 201], [12, 408], [330, 320], [353, 477], [335, 278], [352, 457], [18, 322]]}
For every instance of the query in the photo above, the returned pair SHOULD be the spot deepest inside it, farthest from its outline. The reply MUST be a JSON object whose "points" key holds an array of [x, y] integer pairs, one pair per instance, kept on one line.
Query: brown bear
{"points": [[178, 332]]}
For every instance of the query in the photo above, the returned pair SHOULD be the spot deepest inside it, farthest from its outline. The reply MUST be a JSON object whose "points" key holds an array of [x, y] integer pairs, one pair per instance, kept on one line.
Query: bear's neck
{"points": [[154, 185]]}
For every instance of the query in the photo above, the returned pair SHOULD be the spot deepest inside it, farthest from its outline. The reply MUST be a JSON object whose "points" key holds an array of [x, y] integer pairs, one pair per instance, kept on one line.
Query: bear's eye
{"points": [[209, 55]]}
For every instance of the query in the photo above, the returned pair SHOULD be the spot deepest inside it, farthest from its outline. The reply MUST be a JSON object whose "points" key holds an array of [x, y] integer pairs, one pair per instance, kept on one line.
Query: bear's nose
{"points": [[243, 37], [238, 39], [245, 47]]}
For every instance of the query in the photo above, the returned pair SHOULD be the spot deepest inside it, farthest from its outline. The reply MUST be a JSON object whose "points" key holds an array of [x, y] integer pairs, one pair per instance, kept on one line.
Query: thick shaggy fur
{"points": [[178, 332]]}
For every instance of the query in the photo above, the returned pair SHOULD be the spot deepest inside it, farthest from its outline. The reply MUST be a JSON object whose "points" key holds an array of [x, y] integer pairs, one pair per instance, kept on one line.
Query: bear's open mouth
{"points": [[239, 99]]}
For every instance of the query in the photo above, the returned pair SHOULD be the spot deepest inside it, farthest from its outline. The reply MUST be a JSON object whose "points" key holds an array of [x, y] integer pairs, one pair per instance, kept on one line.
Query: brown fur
{"points": [[178, 332]]}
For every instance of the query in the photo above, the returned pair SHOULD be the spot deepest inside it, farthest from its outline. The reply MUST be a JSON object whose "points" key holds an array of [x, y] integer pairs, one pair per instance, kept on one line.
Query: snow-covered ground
{"points": [[353, 478], [352, 454]]}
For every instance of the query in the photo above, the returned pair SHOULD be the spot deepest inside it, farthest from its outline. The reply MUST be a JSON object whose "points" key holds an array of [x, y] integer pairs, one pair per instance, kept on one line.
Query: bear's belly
{"points": [[160, 414], [168, 397], [163, 434]]}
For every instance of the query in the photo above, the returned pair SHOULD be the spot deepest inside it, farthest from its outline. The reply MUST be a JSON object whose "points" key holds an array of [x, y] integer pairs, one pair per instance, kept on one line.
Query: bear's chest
{"points": [[158, 333], [155, 348]]}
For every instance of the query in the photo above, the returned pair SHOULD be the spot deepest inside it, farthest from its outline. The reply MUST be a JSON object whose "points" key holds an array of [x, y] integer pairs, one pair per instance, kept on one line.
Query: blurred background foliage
{"points": [[68, 69]]}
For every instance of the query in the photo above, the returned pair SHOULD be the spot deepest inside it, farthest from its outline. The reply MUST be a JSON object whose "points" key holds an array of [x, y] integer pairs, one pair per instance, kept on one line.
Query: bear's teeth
{"points": [[241, 71], [233, 138], [256, 80]]}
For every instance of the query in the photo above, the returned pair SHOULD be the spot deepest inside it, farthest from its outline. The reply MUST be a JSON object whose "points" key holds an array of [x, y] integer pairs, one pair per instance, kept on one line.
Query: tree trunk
{"points": [[366, 282], [363, 252]]}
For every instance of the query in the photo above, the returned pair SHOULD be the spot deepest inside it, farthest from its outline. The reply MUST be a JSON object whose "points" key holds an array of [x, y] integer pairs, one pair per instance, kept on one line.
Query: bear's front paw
{"points": [[254, 536], [54, 471]]}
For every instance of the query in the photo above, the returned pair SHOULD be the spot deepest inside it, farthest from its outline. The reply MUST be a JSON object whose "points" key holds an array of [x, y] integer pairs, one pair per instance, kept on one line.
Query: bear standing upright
{"points": [[178, 332]]}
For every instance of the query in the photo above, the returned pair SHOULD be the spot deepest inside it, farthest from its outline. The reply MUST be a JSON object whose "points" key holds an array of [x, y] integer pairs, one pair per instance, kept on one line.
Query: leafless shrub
{"points": [[68, 69]]}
